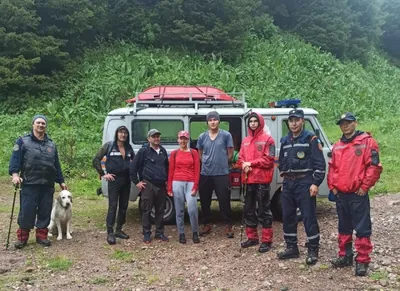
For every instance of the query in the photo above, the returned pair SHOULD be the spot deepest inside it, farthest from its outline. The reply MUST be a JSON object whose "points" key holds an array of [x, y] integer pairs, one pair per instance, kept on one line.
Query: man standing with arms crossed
{"points": [[216, 151], [302, 166], [353, 170]]}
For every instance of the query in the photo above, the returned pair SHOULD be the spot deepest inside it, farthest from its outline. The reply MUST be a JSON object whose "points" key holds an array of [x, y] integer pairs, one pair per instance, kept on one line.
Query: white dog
{"points": [[61, 215]]}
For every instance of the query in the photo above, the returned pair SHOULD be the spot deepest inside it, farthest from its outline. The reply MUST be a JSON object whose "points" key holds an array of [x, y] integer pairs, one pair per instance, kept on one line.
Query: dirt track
{"points": [[87, 262]]}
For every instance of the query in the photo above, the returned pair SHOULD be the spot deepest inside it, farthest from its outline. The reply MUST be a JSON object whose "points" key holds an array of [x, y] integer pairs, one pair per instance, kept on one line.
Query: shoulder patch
{"points": [[16, 148]]}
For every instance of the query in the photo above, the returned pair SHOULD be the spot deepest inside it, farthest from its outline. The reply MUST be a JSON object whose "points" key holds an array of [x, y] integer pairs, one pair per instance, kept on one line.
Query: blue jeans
{"points": [[182, 191]]}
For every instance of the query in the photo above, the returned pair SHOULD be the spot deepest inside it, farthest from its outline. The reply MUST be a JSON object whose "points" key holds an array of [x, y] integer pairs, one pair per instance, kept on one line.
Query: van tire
{"points": [[276, 205], [169, 214]]}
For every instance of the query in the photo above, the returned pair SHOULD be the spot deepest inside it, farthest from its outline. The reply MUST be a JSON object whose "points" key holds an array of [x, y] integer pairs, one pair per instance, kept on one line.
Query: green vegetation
{"points": [[58, 263], [99, 281], [378, 275], [122, 255]]}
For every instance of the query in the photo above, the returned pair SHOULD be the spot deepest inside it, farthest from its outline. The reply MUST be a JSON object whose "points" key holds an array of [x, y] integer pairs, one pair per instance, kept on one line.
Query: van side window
{"points": [[307, 126], [168, 128]]}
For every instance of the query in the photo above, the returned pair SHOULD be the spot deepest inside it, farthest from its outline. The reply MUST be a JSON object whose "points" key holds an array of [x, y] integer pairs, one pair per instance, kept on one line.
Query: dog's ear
{"points": [[71, 199], [58, 199]]}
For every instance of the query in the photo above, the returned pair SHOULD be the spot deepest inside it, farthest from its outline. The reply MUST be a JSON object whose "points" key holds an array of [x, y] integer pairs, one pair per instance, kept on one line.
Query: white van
{"points": [[173, 108]]}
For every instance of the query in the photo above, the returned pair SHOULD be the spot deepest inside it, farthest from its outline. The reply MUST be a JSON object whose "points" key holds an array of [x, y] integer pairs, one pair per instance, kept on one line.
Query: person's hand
{"points": [[170, 194], [361, 192], [246, 165], [313, 190], [63, 186], [247, 169], [16, 179], [334, 191], [193, 193], [141, 185], [109, 177]]}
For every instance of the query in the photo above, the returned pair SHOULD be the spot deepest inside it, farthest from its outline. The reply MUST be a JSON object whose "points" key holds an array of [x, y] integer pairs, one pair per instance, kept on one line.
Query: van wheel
{"points": [[169, 213], [276, 205]]}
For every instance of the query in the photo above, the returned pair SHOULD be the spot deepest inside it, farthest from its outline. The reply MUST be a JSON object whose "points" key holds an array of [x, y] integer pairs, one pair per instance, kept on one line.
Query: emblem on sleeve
{"points": [[259, 148], [358, 152], [301, 155], [16, 147], [49, 150]]}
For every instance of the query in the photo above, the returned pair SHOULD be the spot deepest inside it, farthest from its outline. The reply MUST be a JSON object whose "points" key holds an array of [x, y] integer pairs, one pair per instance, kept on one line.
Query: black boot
{"points": [[111, 239], [312, 255], [196, 238], [249, 243], [291, 252], [44, 242], [120, 234], [265, 247], [361, 269], [182, 238], [346, 260], [20, 244]]}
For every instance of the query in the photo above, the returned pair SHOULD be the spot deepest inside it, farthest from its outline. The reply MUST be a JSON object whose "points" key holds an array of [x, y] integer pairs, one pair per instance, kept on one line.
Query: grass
{"points": [[152, 279], [378, 275], [122, 255], [99, 281], [58, 263]]}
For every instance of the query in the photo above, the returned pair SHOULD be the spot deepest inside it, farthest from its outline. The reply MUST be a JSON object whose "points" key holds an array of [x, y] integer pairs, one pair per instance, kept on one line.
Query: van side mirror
{"points": [[318, 134]]}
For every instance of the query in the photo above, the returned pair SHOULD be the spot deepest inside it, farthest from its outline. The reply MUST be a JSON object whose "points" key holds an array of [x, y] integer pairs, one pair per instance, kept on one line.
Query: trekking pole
{"points": [[11, 217], [243, 191]]}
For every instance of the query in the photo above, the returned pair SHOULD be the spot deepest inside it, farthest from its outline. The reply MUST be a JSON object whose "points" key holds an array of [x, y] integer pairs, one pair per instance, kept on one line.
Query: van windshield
{"points": [[169, 130]]}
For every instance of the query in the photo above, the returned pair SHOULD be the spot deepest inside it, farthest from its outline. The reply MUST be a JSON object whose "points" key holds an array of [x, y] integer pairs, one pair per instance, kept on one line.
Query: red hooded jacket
{"points": [[354, 164], [258, 148]]}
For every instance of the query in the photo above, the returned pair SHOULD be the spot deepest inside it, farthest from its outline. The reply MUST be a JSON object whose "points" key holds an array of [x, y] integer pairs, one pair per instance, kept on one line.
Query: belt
{"points": [[294, 177]]}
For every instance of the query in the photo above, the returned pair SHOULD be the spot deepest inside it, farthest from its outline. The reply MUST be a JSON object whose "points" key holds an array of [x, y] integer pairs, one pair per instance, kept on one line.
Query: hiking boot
{"points": [[111, 239], [265, 247], [361, 269], [228, 231], [249, 243], [20, 244], [161, 237], [44, 242], [312, 256], [121, 234], [206, 230], [289, 253], [147, 238], [182, 238], [196, 239], [342, 262]]}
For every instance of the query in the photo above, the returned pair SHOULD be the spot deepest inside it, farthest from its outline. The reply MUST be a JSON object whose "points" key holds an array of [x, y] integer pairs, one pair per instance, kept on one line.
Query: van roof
{"points": [[176, 111]]}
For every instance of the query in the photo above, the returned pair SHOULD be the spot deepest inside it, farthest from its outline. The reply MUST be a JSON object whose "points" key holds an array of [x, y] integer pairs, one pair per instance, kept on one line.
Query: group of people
{"points": [[354, 168]]}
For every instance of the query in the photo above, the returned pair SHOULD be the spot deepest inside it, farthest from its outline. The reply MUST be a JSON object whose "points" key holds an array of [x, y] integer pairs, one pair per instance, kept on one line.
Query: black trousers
{"points": [[222, 187], [153, 196], [257, 194], [118, 196]]}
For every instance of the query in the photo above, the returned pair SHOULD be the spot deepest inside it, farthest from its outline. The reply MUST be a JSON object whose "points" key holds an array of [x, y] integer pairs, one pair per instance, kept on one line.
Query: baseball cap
{"points": [[296, 113], [183, 133], [347, 116], [153, 132]]}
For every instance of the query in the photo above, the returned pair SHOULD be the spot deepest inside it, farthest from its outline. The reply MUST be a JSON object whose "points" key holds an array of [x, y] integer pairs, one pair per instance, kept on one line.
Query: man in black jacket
{"points": [[119, 154], [149, 172]]}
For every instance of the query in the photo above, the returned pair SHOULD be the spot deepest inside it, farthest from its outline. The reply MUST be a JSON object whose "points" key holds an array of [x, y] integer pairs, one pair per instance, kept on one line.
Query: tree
{"points": [[391, 29]]}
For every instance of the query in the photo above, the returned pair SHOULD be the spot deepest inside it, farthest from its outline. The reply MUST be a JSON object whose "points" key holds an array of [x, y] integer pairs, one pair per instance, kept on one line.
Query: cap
{"points": [[212, 114], [153, 132], [123, 127], [183, 133], [296, 113], [39, 116], [347, 116]]}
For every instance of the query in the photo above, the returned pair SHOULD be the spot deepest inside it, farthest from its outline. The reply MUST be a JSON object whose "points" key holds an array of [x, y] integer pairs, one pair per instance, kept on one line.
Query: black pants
{"points": [[257, 194], [296, 194], [36, 202], [221, 186], [153, 196], [118, 195]]}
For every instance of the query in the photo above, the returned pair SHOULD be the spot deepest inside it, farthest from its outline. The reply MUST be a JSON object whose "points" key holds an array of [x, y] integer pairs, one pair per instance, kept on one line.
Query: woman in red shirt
{"points": [[183, 183]]}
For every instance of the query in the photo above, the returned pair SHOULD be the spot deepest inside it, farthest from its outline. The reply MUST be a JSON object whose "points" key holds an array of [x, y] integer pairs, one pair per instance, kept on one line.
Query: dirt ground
{"points": [[87, 262]]}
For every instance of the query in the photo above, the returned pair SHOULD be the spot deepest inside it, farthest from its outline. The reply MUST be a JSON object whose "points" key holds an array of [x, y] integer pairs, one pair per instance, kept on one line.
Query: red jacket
{"points": [[184, 166], [354, 164], [258, 148]]}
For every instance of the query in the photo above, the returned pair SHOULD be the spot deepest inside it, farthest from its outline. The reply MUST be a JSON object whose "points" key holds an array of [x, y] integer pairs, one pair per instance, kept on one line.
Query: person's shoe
{"points": [[265, 247], [20, 244], [206, 230], [161, 237], [361, 269], [229, 231], [111, 239], [182, 238], [289, 253], [44, 242], [121, 234], [196, 238], [147, 238], [249, 243], [341, 262], [312, 256]]}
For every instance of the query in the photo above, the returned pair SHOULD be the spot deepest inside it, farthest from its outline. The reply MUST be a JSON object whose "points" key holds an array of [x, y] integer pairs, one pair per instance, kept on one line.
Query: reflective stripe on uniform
{"points": [[312, 237], [290, 234], [296, 145]]}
